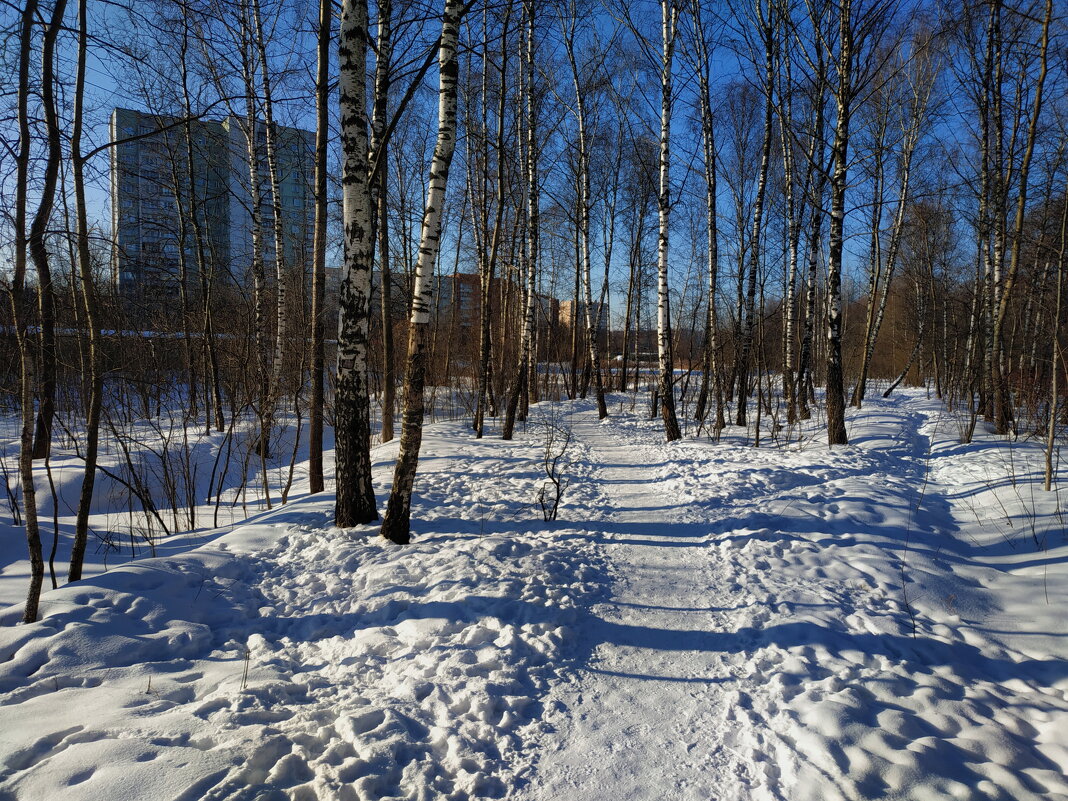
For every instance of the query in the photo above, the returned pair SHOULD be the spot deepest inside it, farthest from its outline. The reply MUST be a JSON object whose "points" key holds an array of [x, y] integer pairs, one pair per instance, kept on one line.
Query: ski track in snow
{"points": [[707, 622]]}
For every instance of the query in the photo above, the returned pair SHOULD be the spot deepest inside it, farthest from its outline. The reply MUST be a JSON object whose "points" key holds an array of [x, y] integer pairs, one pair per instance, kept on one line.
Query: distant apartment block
{"points": [[571, 311], [170, 210], [458, 302]]}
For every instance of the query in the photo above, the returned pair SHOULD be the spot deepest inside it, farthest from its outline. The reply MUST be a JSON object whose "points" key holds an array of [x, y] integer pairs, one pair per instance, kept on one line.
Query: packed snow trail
{"points": [[649, 698], [758, 644]]}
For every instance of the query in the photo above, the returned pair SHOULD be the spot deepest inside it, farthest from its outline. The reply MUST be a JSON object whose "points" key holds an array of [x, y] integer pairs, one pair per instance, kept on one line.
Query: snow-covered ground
{"points": [[705, 621]]}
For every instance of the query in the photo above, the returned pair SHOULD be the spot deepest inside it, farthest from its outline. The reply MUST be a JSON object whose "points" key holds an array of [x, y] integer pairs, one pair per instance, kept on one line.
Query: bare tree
{"points": [[380, 199], [19, 316], [46, 295], [259, 42], [85, 272], [669, 18], [1002, 399], [766, 28], [355, 495], [906, 98], [710, 377], [569, 23], [396, 526], [1056, 355], [318, 338], [526, 371]]}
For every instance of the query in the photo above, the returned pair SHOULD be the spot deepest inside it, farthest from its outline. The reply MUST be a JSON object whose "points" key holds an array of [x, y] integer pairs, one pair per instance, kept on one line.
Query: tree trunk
{"points": [[379, 191], [96, 383], [396, 526], [669, 21], [746, 345], [261, 335], [281, 339], [352, 430], [835, 399], [316, 403], [19, 315], [525, 370], [42, 444], [1055, 356], [585, 202], [1002, 397]]}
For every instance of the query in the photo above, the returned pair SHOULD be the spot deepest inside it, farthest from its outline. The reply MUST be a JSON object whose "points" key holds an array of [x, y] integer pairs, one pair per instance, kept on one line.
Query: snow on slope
{"points": [[221, 493], [288, 659], [707, 621]]}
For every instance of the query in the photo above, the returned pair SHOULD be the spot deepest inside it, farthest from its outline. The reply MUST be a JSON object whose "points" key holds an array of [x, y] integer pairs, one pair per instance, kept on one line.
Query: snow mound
{"points": [[291, 660]]}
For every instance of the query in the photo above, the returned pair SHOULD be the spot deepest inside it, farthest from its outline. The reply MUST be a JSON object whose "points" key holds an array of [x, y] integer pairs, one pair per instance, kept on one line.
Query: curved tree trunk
{"points": [[96, 382], [46, 294], [396, 526]]}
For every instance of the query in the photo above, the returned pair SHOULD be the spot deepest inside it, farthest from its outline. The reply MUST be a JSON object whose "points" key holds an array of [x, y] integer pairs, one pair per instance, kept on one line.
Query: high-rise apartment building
{"points": [[182, 202]]}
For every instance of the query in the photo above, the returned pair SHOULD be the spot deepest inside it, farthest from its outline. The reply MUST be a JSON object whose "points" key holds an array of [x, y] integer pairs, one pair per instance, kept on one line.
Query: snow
{"points": [[120, 531], [705, 620]]}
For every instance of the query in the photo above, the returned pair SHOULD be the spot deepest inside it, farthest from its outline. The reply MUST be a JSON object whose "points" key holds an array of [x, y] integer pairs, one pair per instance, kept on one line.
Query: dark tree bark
{"points": [[379, 195], [46, 294], [19, 318], [96, 382], [316, 403]]}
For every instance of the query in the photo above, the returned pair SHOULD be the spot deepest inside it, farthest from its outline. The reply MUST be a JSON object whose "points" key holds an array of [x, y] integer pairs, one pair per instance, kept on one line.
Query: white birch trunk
{"points": [[396, 526], [281, 343], [669, 20], [835, 398], [355, 495]]}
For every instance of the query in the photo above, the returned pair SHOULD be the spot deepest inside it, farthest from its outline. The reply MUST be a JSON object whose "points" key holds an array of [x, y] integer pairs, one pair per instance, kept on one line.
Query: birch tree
{"points": [[710, 377], [1004, 413], [669, 17], [489, 248], [281, 343], [765, 26], [355, 495], [1056, 351], [380, 200], [905, 101], [584, 202], [844, 95], [819, 68], [396, 526], [526, 372]]}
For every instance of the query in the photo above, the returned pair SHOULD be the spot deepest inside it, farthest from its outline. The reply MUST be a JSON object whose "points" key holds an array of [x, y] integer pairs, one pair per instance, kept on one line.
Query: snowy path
{"points": [[756, 643], [650, 693]]}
